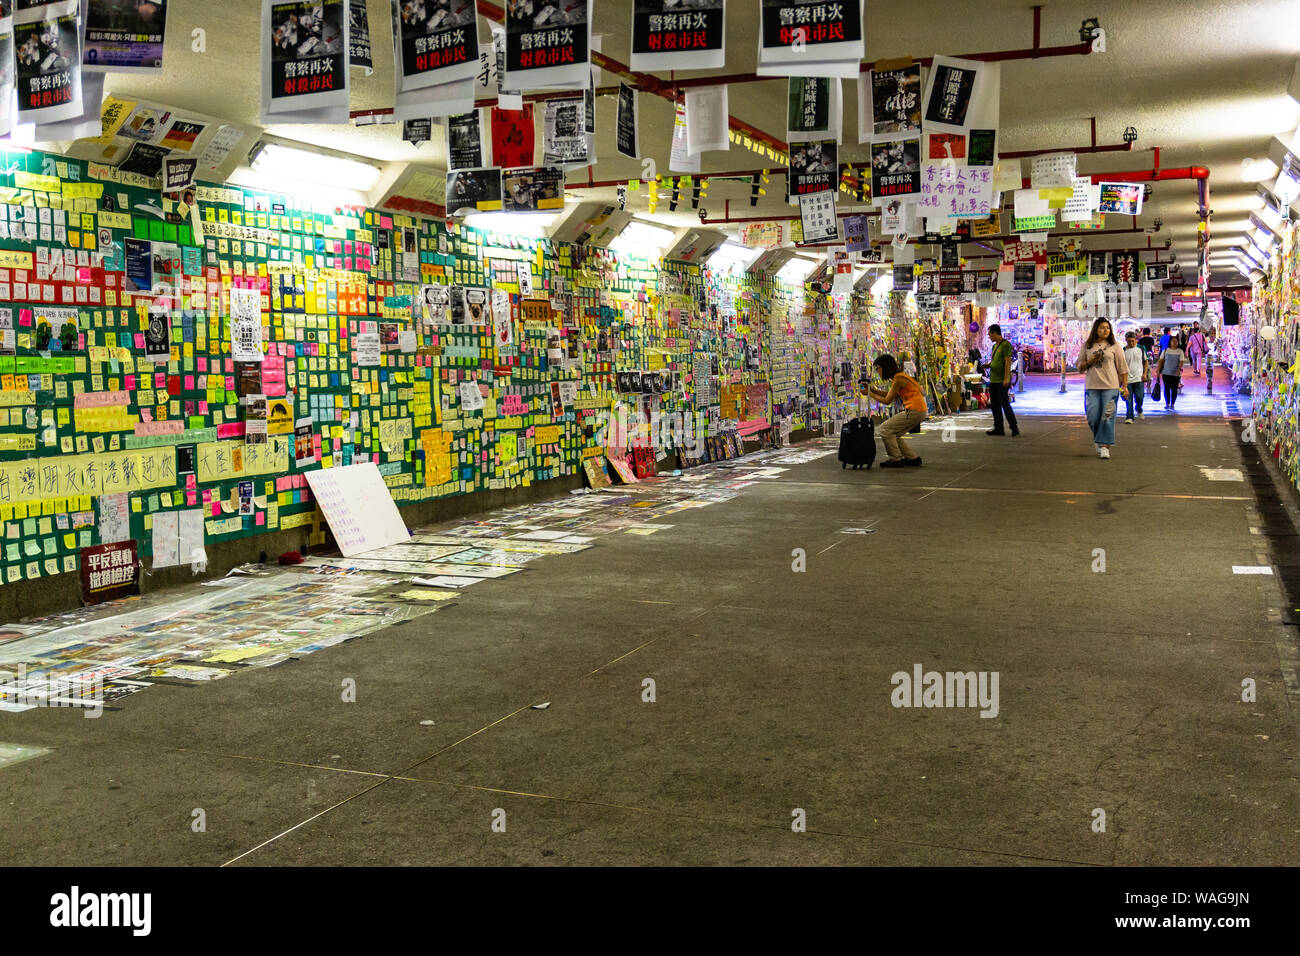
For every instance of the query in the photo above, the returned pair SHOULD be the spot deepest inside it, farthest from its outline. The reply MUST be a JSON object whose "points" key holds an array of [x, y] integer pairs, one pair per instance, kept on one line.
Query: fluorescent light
{"points": [[1287, 187], [314, 196], [797, 270], [527, 225], [642, 239], [1257, 170], [308, 166], [884, 284], [732, 255]]}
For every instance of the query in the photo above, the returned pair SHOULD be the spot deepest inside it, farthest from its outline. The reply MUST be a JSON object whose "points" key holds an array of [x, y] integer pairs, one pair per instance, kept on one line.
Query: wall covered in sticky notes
{"points": [[142, 343]]}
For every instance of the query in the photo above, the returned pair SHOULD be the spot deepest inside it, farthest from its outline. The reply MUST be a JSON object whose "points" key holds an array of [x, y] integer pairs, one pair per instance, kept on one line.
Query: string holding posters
{"points": [[124, 36], [304, 61], [548, 45], [810, 37], [47, 57], [678, 34], [889, 104]]}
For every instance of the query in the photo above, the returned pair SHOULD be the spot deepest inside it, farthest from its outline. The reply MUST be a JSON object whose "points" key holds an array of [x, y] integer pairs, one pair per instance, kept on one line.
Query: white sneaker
{"points": [[1105, 452], [1128, 421], [1142, 414]]}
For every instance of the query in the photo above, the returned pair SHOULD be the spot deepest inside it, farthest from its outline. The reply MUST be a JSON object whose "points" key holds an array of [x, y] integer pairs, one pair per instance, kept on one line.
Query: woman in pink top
{"points": [[1103, 360]]}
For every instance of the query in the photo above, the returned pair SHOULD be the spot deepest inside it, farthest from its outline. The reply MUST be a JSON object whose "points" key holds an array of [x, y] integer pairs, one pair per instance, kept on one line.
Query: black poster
{"points": [[980, 151], [948, 256], [308, 58], [677, 34], [950, 95], [1097, 264], [903, 278], [47, 54], [158, 334], [814, 167], [1123, 267], [950, 283], [464, 141], [473, 189], [439, 41], [808, 110], [627, 131], [144, 159], [813, 22], [896, 101], [359, 37]]}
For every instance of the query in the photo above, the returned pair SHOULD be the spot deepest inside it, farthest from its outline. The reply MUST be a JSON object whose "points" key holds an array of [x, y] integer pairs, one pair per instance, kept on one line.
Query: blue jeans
{"points": [[1136, 392], [1095, 401]]}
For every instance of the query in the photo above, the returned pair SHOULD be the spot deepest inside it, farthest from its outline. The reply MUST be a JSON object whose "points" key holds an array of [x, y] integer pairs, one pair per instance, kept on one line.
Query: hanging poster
{"points": [[6, 69], [627, 122], [437, 43], [809, 108], [814, 167], [533, 189], [677, 35], [417, 131], [817, 214], [857, 235], [305, 60], [1122, 198], [359, 55], [956, 192], [125, 36], [680, 159], [961, 94], [564, 132], [548, 44], [810, 38], [473, 190], [896, 168], [981, 147], [246, 325], [1124, 267], [707, 119], [512, 136], [889, 104], [178, 173], [47, 53], [465, 141]]}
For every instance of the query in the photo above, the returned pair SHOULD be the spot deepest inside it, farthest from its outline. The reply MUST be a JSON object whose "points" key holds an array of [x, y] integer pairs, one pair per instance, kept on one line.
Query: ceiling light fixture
{"points": [[525, 225], [732, 256], [796, 270], [310, 167], [642, 239]]}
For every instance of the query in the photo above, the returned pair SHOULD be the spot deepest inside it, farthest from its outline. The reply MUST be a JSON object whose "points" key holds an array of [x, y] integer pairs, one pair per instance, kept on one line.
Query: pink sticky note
{"points": [[139, 340], [261, 517]]}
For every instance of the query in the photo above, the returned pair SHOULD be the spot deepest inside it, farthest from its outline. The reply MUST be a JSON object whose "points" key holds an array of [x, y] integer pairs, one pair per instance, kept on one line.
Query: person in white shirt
{"points": [[1136, 358]]}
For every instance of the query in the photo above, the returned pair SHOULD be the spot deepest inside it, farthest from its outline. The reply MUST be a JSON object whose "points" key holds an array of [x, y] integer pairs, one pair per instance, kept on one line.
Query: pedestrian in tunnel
{"points": [[1103, 360], [894, 429]]}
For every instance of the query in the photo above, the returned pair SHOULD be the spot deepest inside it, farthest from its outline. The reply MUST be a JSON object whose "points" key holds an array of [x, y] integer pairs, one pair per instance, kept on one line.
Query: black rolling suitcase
{"points": [[858, 443]]}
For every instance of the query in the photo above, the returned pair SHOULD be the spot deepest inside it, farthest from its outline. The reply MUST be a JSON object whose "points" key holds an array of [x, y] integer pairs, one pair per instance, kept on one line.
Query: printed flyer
{"points": [[548, 44], [305, 60], [678, 34], [125, 36], [47, 56]]}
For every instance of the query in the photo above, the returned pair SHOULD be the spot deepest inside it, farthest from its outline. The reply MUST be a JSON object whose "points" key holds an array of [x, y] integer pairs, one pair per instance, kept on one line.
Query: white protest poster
{"points": [[471, 398], [366, 345], [503, 332], [358, 507], [304, 61], [676, 35], [564, 132], [47, 61], [246, 325], [7, 102], [956, 192], [1083, 200], [680, 159], [1053, 171], [114, 517], [707, 116], [817, 215]]}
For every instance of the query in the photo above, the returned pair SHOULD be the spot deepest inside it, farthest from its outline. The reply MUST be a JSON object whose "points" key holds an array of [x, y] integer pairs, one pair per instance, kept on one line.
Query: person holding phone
{"points": [[1103, 360]]}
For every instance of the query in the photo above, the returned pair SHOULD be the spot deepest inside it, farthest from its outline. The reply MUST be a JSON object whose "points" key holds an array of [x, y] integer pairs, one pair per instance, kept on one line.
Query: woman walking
{"points": [[901, 386], [1103, 360], [1171, 372]]}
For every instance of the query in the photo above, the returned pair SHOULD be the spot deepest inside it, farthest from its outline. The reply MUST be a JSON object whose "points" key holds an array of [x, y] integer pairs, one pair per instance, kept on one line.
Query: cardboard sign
{"points": [[358, 507]]}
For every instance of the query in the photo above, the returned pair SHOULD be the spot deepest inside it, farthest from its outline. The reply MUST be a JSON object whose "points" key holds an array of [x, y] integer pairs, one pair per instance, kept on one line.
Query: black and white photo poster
{"points": [[360, 56], [889, 104], [437, 42], [627, 122], [473, 190], [677, 34], [532, 189], [814, 167], [6, 71], [465, 141], [810, 37], [125, 36], [47, 60], [548, 44], [564, 132], [896, 169], [305, 61]]}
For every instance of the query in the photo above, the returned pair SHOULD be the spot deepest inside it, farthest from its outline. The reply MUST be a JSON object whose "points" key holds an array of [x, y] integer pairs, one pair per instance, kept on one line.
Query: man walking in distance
{"points": [[1000, 383]]}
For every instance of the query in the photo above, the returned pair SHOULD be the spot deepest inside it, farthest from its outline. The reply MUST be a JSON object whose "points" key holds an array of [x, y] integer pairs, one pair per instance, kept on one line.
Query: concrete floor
{"points": [[1118, 690]]}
